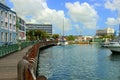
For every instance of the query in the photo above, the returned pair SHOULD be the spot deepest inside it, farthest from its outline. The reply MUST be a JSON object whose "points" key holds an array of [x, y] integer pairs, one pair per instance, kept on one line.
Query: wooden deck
{"points": [[8, 64]]}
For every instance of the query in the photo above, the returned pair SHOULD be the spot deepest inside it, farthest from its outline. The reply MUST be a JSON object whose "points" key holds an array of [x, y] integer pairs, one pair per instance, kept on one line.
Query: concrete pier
{"points": [[8, 64]]}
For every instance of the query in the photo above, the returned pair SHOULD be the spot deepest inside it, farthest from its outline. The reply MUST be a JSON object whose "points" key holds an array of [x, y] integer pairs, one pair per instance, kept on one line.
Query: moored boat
{"points": [[114, 47], [63, 43]]}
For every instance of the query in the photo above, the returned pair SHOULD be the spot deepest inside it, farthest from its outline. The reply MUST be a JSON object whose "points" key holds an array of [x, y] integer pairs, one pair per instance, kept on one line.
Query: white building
{"points": [[3, 2], [106, 31], [21, 29]]}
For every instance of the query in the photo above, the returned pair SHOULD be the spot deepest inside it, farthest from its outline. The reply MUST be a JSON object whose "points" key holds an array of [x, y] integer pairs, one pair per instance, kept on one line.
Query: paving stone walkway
{"points": [[8, 64]]}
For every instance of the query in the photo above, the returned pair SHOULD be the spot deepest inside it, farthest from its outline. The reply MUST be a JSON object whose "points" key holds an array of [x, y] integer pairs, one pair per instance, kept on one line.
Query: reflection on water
{"points": [[79, 62], [115, 57]]}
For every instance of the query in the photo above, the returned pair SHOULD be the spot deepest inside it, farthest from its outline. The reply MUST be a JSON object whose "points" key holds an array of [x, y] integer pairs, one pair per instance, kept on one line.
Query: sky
{"points": [[79, 17]]}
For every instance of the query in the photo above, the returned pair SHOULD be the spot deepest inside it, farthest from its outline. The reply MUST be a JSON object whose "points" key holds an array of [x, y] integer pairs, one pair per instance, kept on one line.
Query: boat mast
{"points": [[119, 20], [63, 28], [119, 30]]}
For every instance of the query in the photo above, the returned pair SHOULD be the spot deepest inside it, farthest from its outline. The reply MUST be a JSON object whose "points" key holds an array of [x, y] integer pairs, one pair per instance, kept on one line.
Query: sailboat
{"points": [[63, 40]]}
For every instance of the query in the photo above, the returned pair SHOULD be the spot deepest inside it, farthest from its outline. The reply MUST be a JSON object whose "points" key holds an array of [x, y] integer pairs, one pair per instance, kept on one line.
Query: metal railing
{"points": [[27, 67], [7, 49]]}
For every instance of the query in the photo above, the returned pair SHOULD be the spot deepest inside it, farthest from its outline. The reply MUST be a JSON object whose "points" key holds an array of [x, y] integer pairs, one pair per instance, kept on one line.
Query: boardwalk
{"points": [[8, 64]]}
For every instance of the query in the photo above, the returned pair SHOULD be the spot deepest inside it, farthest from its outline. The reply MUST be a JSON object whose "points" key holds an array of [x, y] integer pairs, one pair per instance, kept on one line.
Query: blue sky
{"points": [[81, 17]]}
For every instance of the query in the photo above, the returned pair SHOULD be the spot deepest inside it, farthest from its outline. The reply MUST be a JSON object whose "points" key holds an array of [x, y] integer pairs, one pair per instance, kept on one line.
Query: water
{"points": [[79, 62]]}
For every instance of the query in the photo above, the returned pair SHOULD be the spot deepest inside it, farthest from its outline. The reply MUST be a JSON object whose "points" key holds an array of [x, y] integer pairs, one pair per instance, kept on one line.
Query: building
{"points": [[2, 1], [84, 38], [7, 25], [44, 27], [107, 31], [21, 29]]}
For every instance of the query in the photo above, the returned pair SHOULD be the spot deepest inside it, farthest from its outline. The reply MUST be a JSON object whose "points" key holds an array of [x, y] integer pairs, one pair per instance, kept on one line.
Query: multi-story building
{"points": [[107, 31], [7, 25], [44, 27], [2, 1], [21, 29]]}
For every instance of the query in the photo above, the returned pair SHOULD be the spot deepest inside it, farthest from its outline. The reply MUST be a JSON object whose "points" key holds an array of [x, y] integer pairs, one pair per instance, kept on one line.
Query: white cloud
{"points": [[113, 4], [83, 13], [97, 4], [40, 13], [112, 21]]}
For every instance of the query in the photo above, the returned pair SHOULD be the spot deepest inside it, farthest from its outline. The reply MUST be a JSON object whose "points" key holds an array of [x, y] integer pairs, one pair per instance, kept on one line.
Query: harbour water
{"points": [[79, 62]]}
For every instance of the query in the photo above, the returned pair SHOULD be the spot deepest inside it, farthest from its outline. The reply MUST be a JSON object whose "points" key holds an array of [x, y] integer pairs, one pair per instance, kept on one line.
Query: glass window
{"points": [[1, 13], [2, 23], [6, 24], [6, 15], [6, 37], [10, 37], [2, 36], [14, 27], [14, 18], [10, 16], [10, 26]]}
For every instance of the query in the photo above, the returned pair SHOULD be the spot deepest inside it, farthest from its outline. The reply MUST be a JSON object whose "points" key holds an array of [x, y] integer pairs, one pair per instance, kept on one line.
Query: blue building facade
{"points": [[8, 34]]}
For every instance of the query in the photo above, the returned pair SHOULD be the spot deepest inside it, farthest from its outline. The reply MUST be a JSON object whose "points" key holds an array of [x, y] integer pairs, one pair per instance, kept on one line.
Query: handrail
{"points": [[27, 66], [8, 49]]}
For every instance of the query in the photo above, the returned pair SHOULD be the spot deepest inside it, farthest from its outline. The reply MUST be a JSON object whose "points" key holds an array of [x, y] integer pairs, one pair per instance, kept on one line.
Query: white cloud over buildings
{"points": [[37, 11]]}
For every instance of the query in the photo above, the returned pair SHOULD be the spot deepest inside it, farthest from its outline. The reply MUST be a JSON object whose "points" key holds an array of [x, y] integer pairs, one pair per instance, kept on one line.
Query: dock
{"points": [[11, 67], [8, 64]]}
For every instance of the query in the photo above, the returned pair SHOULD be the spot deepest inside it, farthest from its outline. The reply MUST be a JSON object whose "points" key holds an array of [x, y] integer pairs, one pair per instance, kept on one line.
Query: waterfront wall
{"points": [[27, 67]]}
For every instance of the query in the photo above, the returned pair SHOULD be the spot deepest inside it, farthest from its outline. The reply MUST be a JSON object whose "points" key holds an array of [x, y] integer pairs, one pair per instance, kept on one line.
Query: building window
{"points": [[6, 24], [10, 26], [6, 37], [10, 16], [2, 23], [14, 27], [6, 15], [13, 17], [10, 37], [1, 13], [2, 36]]}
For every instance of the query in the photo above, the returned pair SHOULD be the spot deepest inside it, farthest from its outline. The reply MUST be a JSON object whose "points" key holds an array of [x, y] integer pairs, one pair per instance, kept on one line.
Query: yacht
{"points": [[63, 42], [114, 47]]}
